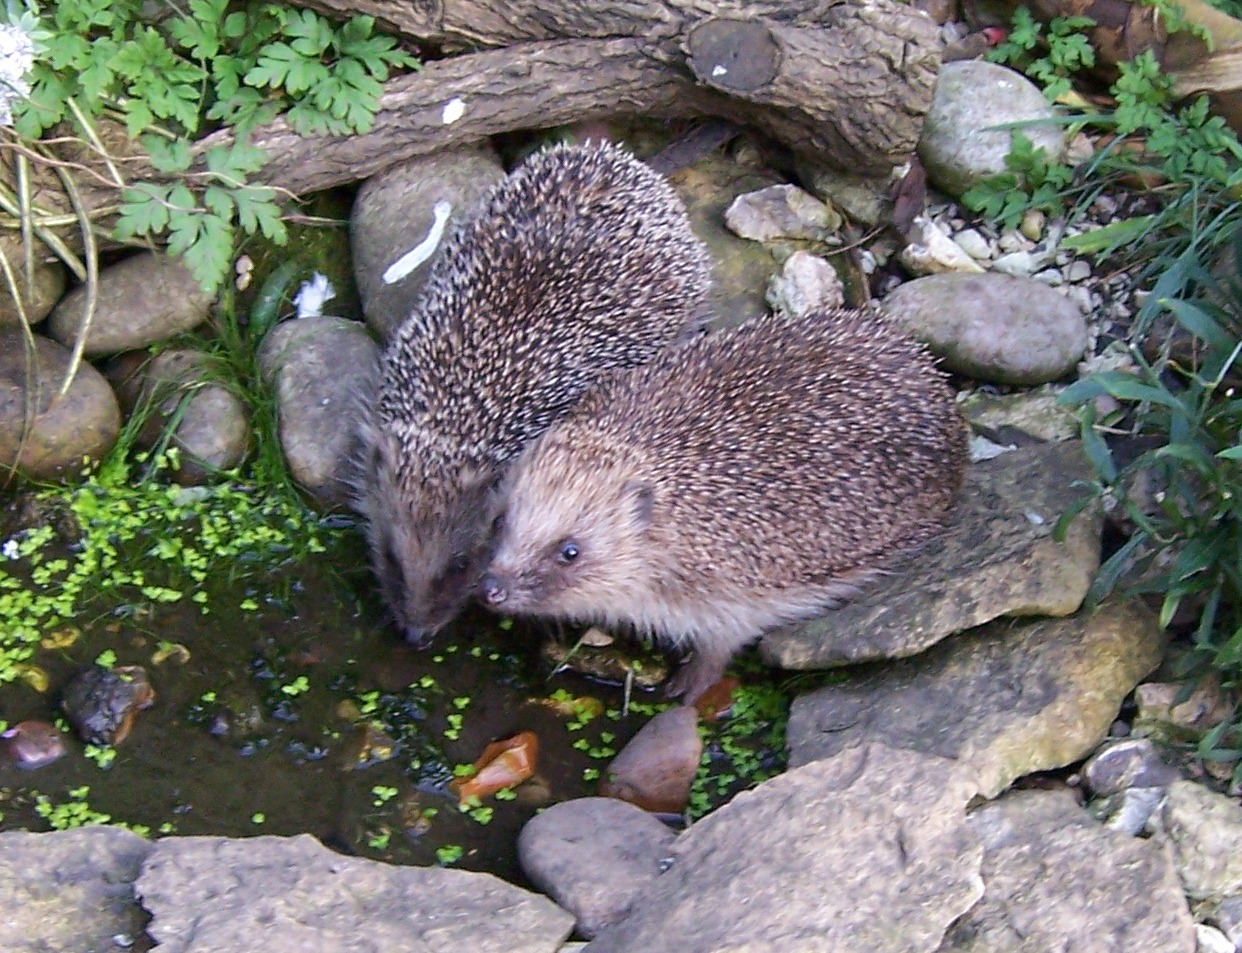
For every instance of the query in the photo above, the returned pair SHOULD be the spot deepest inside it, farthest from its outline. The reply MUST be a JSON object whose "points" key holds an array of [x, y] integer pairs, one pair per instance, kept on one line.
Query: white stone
{"points": [[1211, 940], [1020, 264], [1010, 241], [933, 252], [1078, 270], [973, 244]]}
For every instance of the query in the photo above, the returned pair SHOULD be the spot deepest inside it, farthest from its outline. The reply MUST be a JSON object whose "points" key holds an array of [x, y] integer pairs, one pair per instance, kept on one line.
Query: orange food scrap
{"points": [[503, 764], [582, 706], [717, 700]]}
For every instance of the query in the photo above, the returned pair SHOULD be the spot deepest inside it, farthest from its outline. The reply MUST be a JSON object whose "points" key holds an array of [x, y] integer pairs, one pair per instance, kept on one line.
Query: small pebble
{"points": [[1078, 270], [1020, 264], [1128, 811], [1211, 940], [1080, 149], [1104, 206], [1083, 298], [29, 745], [1012, 241], [973, 244], [1032, 224]]}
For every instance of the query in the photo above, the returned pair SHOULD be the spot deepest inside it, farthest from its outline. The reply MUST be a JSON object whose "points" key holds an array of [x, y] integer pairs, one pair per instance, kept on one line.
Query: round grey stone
{"points": [[395, 212], [958, 145], [43, 436], [993, 328], [320, 366], [592, 856], [146, 298]]}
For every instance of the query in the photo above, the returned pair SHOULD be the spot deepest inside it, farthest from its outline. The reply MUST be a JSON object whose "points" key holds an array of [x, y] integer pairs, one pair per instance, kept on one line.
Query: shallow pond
{"points": [[303, 712]]}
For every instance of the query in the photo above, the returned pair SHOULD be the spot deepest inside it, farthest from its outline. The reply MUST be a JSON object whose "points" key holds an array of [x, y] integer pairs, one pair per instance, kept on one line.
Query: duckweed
{"points": [[138, 538]]}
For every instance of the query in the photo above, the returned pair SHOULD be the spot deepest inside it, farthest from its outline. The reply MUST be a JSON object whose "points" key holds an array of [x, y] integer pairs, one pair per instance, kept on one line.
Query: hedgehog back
{"points": [[579, 262], [780, 453]]}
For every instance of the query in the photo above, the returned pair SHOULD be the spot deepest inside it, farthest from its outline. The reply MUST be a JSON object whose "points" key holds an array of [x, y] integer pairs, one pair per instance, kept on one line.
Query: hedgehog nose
{"points": [[419, 637], [493, 591]]}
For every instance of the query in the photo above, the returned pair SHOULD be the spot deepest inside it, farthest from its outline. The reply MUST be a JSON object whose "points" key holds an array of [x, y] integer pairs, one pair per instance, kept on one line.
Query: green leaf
{"points": [[1073, 510], [219, 201], [235, 26], [1125, 386], [71, 52], [168, 155], [97, 77], [181, 198], [1098, 454], [143, 211], [1112, 569], [1198, 555], [274, 65], [1112, 235], [199, 35], [1168, 608], [206, 243], [257, 211], [46, 106], [311, 33], [1191, 453]]}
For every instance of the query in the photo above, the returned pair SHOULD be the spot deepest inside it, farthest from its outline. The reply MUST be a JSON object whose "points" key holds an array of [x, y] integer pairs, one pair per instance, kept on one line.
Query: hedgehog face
{"points": [[571, 543], [427, 548]]}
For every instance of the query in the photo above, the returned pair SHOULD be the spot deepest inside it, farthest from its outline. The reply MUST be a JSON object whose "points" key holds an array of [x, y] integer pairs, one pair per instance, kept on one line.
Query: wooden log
{"points": [[830, 89], [471, 24], [847, 83]]}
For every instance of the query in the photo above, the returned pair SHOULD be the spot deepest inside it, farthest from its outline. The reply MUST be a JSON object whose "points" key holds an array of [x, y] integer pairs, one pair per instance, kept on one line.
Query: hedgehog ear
{"points": [[641, 499]]}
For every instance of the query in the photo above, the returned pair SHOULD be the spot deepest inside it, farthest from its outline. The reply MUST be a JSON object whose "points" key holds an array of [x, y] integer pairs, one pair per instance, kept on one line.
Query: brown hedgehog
{"points": [[737, 482], [580, 262]]}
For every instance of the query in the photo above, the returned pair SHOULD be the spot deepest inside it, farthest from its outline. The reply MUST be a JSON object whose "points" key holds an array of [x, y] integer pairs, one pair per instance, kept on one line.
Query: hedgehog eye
{"points": [[458, 564], [567, 553]]}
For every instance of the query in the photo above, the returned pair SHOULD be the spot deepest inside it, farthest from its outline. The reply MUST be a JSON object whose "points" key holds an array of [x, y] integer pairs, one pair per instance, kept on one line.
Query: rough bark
{"points": [[847, 82], [470, 24], [853, 93], [527, 85]]}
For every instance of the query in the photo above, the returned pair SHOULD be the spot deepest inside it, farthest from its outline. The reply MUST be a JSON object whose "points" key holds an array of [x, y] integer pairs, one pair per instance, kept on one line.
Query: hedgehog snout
{"points": [[493, 590], [418, 636]]}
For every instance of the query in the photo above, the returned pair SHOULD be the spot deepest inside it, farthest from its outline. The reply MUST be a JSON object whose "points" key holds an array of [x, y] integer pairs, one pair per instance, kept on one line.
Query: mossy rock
{"points": [[44, 436]]}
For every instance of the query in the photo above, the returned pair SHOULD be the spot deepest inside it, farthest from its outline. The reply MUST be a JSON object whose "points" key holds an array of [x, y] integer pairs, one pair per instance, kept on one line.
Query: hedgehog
{"points": [[740, 481], [579, 263]]}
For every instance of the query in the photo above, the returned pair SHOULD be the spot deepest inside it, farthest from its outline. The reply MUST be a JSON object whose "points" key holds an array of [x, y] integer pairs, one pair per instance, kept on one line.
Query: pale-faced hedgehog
{"points": [[737, 482], [580, 262]]}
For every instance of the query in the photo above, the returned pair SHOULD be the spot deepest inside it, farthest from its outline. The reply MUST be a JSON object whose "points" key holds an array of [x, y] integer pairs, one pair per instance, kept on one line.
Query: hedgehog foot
{"points": [[700, 671]]}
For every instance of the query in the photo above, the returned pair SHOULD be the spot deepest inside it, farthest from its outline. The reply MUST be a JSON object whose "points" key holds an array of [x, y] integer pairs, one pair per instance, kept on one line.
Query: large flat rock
{"points": [[70, 891], [1058, 881], [1007, 699], [867, 851], [227, 895], [997, 557]]}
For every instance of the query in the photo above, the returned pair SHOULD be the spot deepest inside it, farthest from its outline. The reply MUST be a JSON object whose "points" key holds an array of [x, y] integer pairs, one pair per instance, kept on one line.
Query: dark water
{"points": [[262, 727]]}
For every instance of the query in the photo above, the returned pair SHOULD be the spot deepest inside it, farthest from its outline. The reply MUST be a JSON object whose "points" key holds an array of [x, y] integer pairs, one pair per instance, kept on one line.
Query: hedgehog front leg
{"points": [[702, 668]]}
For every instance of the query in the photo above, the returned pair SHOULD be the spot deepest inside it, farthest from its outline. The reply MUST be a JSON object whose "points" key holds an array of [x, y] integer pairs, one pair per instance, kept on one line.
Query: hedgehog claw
{"points": [[696, 675]]}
